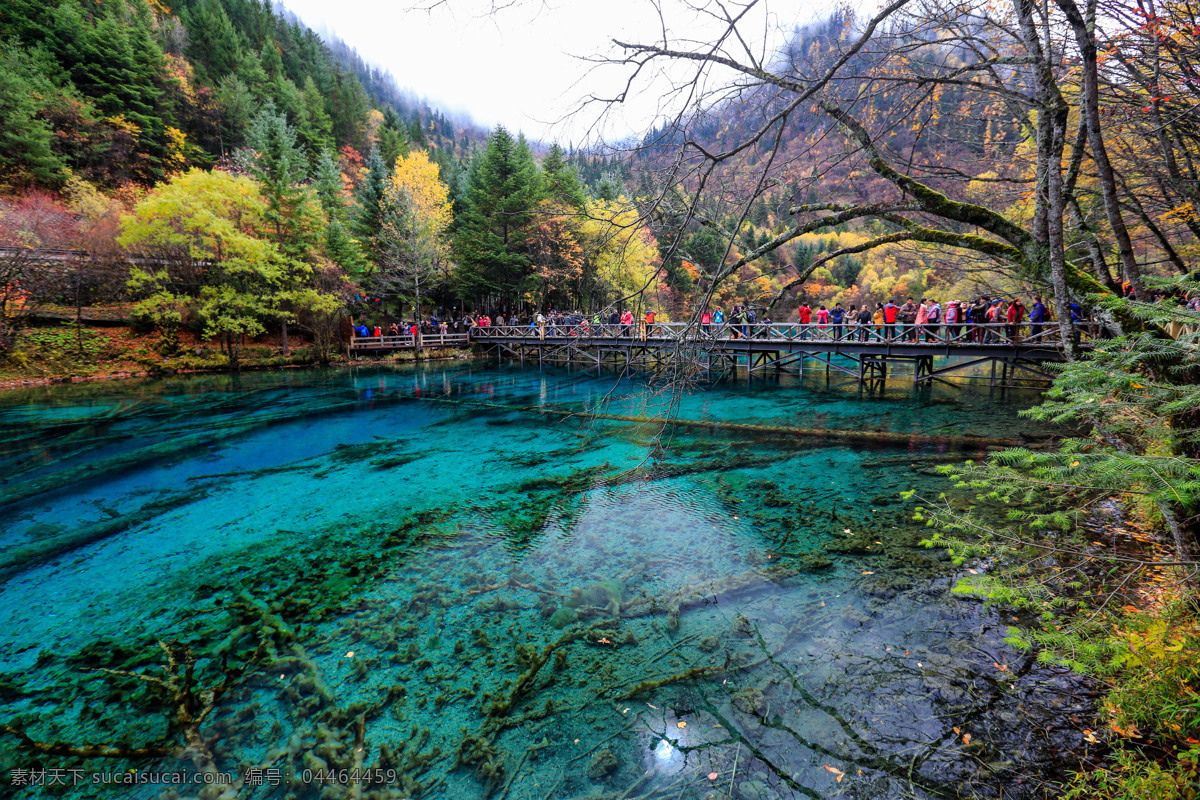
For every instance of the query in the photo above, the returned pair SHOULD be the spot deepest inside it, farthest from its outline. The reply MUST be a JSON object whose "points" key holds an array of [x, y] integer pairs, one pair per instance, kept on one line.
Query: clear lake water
{"points": [[448, 581]]}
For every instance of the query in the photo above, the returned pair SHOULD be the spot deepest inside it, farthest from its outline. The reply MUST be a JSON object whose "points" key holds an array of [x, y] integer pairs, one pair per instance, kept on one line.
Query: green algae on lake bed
{"points": [[362, 579]]}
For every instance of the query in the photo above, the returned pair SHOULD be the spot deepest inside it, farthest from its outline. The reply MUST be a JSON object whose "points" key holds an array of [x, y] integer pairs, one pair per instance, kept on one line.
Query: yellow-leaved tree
{"points": [[620, 253], [415, 252], [207, 238]]}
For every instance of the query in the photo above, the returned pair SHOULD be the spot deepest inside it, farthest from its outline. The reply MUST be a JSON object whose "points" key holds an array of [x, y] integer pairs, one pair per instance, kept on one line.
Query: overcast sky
{"points": [[521, 66]]}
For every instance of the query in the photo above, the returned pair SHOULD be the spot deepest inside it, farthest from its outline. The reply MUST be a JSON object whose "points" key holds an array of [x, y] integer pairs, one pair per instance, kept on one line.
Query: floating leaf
{"points": [[350, 654], [712, 776], [966, 738], [868, 573], [681, 724], [837, 773]]}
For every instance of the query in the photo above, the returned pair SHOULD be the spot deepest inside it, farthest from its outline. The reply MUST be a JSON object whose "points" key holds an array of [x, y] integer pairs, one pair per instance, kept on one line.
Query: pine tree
{"points": [[327, 183], [328, 186], [237, 105], [368, 201], [561, 181], [499, 208], [316, 128], [416, 135], [393, 138], [25, 151], [213, 46], [277, 161]]}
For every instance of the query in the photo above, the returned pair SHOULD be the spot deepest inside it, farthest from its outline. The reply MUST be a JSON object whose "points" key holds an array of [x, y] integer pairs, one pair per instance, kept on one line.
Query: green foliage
{"points": [[369, 201], [132, 93], [277, 161], [25, 140], [63, 350], [1159, 689], [340, 247], [1136, 398], [221, 221], [494, 224], [561, 182], [159, 310], [1133, 776], [212, 41], [328, 186]]}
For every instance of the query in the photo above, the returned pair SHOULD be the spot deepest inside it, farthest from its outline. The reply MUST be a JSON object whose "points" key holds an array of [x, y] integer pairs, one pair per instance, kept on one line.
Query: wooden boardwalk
{"points": [[429, 340], [865, 352]]}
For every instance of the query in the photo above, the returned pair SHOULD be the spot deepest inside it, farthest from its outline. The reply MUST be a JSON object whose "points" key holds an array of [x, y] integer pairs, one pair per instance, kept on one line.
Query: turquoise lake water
{"points": [[447, 582]]}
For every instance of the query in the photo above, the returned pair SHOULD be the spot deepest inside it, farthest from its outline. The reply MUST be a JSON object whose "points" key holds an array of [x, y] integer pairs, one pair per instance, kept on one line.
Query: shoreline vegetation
{"points": [[113, 350]]}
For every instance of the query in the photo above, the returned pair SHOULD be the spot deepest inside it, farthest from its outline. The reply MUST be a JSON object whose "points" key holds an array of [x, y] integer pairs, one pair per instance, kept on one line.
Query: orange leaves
{"points": [[1129, 731], [837, 773]]}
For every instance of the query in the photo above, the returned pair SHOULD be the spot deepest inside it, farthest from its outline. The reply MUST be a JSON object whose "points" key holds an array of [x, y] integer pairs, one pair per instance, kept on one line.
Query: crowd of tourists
{"points": [[982, 320], [431, 326]]}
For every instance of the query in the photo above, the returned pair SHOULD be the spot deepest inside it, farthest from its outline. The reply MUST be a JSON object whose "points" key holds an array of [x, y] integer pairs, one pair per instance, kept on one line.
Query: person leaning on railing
{"points": [[822, 321], [1015, 316], [837, 315], [908, 320], [952, 316], [645, 324], [890, 311], [1038, 315], [865, 319], [804, 314]]}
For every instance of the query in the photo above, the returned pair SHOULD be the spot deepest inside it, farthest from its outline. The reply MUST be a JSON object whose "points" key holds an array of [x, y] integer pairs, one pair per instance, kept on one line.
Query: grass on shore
{"points": [[1149, 658]]}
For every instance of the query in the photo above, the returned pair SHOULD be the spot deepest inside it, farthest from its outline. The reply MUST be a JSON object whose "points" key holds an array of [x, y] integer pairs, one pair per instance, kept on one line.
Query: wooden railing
{"points": [[1045, 334], [407, 342]]}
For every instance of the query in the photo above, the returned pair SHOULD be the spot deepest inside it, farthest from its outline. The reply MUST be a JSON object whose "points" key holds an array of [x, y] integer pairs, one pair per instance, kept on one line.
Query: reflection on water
{"points": [[413, 583]]}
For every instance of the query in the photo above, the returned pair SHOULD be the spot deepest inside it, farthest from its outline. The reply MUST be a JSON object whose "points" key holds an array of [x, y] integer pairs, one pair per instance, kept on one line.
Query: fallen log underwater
{"points": [[890, 438]]}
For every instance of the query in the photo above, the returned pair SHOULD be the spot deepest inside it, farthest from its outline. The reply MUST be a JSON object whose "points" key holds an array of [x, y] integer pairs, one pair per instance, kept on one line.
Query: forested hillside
{"points": [[219, 133], [957, 114], [133, 90]]}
